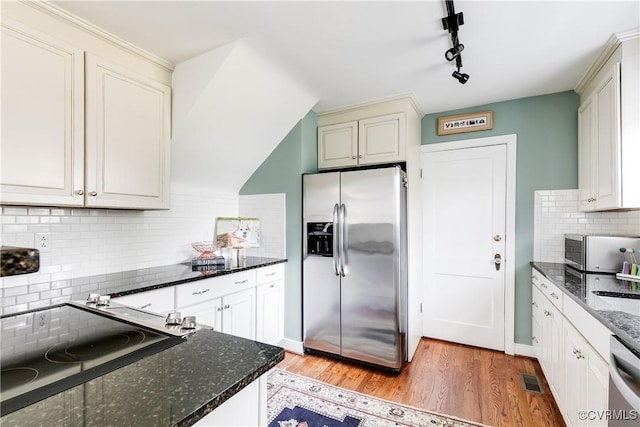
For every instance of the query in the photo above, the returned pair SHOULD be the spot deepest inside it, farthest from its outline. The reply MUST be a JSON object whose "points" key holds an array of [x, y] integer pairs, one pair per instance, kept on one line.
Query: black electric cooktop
{"points": [[45, 352]]}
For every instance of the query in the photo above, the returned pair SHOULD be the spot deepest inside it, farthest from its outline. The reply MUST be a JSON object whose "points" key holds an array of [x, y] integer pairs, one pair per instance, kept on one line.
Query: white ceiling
{"points": [[353, 52]]}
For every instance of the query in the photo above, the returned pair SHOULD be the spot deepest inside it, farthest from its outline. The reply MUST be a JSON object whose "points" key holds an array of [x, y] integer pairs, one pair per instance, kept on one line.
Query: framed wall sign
{"points": [[470, 122]]}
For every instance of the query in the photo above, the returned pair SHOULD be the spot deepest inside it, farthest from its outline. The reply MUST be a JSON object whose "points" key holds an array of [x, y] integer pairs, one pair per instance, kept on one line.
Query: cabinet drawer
{"points": [[548, 289], [536, 304], [270, 273], [160, 301], [595, 332], [196, 292], [214, 287]]}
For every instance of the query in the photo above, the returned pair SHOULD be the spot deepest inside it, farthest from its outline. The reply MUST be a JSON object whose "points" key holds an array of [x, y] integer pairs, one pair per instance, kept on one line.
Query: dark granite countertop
{"points": [[175, 387], [146, 279], [620, 315]]}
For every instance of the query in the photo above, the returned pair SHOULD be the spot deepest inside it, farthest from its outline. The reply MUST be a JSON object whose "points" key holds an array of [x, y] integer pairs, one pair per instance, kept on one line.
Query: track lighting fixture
{"points": [[452, 23], [462, 77]]}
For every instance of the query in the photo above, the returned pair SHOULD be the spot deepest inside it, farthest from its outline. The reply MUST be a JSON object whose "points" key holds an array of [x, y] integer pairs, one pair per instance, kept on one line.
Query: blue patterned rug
{"points": [[297, 401]]}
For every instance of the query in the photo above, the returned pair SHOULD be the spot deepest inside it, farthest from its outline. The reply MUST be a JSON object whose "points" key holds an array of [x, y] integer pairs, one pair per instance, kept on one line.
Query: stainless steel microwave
{"points": [[597, 254]]}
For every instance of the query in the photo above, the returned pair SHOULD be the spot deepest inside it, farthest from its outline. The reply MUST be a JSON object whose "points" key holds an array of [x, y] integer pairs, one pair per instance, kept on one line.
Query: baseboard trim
{"points": [[292, 346], [524, 350]]}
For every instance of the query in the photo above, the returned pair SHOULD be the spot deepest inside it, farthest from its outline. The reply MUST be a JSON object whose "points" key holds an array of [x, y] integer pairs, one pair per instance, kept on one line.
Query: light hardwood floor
{"points": [[471, 383]]}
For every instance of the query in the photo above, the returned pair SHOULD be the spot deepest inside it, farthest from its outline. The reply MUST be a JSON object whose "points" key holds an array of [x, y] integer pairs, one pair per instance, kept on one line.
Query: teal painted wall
{"points": [[547, 159], [281, 173]]}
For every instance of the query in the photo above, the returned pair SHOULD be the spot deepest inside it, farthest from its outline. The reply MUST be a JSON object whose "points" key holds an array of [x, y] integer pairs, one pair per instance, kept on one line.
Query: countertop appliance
{"points": [[624, 386], [47, 351], [597, 254], [355, 265]]}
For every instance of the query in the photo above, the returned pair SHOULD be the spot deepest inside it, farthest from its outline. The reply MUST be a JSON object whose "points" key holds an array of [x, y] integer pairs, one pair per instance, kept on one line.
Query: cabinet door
{"points": [[239, 314], [159, 301], [127, 142], [207, 313], [338, 145], [587, 174], [270, 312], [607, 156], [42, 157], [381, 139], [574, 376], [556, 352]]}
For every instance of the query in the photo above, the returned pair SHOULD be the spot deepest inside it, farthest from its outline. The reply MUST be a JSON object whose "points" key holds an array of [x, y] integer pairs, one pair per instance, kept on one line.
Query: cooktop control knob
{"points": [[103, 301]]}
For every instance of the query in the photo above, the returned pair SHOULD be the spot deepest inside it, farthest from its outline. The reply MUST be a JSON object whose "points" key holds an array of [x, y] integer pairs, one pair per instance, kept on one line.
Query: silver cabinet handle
{"points": [[145, 306], [93, 194], [271, 274], [543, 285], [553, 294], [219, 308], [533, 338], [241, 282], [79, 192], [534, 278], [547, 313], [272, 285], [360, 156], [353, 157], [200, 292], [227, 306], [535, 304]]}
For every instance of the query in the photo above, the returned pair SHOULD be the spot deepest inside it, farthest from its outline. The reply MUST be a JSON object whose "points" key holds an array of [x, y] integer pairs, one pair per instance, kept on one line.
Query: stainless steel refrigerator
{"points": [[355, 265]]}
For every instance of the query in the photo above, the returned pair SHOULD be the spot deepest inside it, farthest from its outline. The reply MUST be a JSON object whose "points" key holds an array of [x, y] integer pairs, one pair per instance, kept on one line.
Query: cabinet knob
{"points": [[553, 294], [227, 306], [79, 192], [535, 304], [353, 157], [360, 156], [543, 285], [219, 308], [547, 313], [93, 194]]}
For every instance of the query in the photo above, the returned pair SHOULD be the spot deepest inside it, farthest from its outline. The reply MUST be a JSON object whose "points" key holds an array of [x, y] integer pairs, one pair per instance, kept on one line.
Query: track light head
{"points": [[452, 53], [461, 77]]}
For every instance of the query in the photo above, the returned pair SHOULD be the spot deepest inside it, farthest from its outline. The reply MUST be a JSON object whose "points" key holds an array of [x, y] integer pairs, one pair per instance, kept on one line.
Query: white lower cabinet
{"points": [[270, 304], [158, 301], [577, 375], [246, 408], [239, 314], [586, 379]]}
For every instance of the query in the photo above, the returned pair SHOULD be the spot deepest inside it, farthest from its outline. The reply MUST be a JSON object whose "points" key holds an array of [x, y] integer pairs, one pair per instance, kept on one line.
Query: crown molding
{"points": [[63, 15], [407, 97], [605, 53]]}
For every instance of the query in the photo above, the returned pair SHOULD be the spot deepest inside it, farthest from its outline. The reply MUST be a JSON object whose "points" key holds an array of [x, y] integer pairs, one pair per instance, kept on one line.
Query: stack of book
{"points": [[203, 264]]}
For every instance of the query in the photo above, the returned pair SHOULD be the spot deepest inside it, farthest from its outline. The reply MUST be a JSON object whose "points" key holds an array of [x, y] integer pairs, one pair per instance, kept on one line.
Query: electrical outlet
{"points": [[41, 321], [43, 242]]}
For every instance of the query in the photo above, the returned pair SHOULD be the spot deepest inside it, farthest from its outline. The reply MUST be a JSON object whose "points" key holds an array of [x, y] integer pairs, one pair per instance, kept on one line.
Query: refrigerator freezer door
{"points": [[321, 285], [372, 288]]}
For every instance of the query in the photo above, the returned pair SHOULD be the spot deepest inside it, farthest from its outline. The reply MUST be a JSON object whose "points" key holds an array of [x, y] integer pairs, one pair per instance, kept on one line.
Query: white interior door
{"points": [[464, 224]]}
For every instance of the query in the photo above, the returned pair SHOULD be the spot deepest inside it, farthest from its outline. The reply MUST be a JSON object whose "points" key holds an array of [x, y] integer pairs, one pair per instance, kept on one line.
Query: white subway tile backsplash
{"points": [[556, 213], [89, 242]]}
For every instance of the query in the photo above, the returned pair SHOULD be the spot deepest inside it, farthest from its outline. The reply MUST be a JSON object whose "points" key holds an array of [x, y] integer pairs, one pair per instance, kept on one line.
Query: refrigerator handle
{"points": [[336, 238], [343, 240]]}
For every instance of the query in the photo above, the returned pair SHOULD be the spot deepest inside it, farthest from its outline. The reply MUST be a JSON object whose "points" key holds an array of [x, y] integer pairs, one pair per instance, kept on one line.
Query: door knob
{"points": [[497, 260], [497, 237]]}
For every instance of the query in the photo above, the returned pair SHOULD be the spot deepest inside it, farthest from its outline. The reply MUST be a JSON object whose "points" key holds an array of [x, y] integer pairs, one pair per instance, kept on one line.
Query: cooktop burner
{"points": [[48, 351]]}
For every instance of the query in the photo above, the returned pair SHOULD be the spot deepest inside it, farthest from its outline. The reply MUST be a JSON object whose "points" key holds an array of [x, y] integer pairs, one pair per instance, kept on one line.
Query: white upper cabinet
{"points": [[86, 119], [42, 118], [128, 134], [373, 133], [609, 128]]}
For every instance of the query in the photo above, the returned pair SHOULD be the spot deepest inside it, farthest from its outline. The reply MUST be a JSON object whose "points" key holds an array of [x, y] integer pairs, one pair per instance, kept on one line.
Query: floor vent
{"points": [[531, 383]]}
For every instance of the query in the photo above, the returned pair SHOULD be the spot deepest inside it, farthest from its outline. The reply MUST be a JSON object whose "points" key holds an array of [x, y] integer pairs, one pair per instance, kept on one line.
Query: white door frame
{"points": [[510, 247]]}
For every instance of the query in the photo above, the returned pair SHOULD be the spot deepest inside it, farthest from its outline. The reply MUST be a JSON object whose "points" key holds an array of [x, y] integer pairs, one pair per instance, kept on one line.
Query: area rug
{"points": [[297, 401]]}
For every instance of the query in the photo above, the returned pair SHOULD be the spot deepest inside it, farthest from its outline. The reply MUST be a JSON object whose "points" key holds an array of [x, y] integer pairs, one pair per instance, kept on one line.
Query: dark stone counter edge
{"points": [[228, 393], [624, 337], [214, 273]]}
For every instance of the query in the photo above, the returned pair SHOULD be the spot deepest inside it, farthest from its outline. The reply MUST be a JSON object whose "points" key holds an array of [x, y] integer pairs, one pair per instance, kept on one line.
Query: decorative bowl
{"points": [[207, 249]]}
